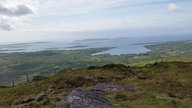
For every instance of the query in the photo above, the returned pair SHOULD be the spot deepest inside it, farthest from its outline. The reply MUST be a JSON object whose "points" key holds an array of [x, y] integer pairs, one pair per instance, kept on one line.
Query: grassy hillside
{"points": [[161, 85]]}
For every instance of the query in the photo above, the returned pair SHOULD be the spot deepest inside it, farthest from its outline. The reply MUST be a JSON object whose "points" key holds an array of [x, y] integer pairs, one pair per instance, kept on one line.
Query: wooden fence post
{"points": [[27, 78], [13, 83]]}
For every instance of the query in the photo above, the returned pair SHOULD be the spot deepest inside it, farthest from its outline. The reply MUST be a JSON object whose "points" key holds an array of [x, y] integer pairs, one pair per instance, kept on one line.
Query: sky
{"points": [[43, 20]]}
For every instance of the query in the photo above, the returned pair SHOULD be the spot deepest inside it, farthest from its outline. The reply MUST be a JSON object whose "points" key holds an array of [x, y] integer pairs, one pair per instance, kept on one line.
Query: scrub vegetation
{"points": [[159, 85]]}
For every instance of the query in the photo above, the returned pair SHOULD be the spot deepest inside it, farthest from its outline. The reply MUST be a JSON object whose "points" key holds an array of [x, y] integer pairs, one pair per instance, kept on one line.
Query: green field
{"points": [[15, 66]]}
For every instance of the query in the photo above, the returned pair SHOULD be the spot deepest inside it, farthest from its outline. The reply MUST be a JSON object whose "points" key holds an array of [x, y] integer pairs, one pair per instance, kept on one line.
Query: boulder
{"points": [[81, 98]]}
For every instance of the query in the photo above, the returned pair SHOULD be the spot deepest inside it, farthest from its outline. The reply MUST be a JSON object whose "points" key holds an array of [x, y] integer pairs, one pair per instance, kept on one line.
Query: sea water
{"points": [[126, 45]]}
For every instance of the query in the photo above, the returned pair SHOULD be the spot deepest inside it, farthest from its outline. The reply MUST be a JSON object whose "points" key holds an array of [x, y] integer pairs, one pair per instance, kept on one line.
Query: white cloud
{"points": [[174, 8], [14, 13], [15, 10]]}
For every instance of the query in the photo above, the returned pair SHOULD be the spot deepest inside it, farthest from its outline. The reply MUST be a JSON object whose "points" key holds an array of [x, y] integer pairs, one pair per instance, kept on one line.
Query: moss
{"points": [[121, 97]]}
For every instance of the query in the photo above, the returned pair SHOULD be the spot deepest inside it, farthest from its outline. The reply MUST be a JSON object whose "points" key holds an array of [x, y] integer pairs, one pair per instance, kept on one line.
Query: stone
{"points": [[115, 87], [81, 98]]}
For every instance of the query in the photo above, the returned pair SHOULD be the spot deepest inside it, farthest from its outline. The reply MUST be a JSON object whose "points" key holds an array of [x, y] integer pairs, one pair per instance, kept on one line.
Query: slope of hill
{"points": [[159, 85]]}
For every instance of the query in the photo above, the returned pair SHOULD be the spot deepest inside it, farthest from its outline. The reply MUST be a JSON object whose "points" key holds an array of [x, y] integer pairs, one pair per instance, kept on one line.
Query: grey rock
{"points": [[87, 77], [40, 97], [108, 86], [81, 98]]}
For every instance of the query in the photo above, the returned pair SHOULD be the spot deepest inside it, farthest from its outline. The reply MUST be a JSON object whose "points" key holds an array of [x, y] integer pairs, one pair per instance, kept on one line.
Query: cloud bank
{"points": [[14, 14]]}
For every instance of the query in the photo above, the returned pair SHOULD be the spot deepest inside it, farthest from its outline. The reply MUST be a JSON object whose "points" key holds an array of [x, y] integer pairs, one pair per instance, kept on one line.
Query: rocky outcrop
{"points": [[81, 98], [108, 86]]}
